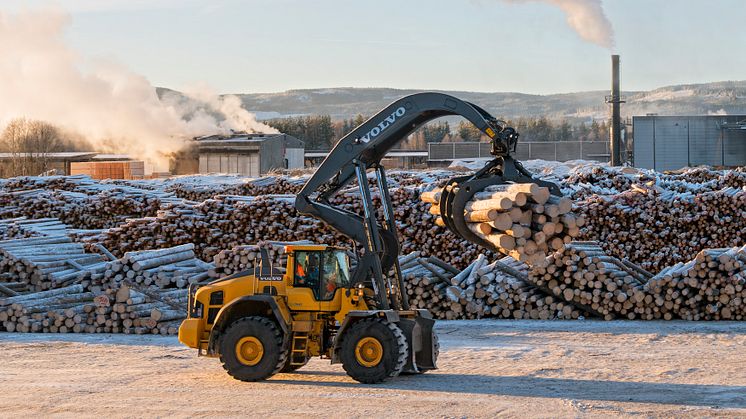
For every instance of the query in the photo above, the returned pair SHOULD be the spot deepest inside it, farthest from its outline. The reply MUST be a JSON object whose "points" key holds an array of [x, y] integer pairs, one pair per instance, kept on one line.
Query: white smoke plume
{"points": [[587, 18], [42, 78]]}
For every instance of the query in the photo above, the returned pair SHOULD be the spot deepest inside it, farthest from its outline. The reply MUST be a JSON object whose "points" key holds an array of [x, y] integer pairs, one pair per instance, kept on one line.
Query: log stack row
{"points": [[73, 310], [174, 267], [44, 263], [712, 286]]}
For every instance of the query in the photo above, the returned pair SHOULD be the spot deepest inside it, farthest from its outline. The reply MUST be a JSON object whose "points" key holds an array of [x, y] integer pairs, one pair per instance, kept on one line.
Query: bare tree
{"points": [[29, 143]]}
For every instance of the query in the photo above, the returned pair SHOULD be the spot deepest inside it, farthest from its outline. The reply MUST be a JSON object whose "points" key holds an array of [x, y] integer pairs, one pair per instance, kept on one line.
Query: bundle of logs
{"points": [[521, 220]]}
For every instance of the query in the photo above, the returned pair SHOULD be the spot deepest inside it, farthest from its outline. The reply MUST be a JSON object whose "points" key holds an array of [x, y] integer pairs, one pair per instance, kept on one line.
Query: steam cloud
{"points": [[587, 18], [41, 78]]}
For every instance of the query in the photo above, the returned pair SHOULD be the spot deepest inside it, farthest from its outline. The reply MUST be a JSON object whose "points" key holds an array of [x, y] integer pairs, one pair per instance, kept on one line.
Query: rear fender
{"points": [[252, 305]]}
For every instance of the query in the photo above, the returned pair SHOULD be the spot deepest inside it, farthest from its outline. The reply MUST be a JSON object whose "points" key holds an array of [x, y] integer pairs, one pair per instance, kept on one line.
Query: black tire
{"points": [[394, 349], [263, 330]]}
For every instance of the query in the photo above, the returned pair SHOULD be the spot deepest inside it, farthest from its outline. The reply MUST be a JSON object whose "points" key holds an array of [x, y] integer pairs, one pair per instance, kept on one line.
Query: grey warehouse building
{"points": [[672, 142], [249, 154]]}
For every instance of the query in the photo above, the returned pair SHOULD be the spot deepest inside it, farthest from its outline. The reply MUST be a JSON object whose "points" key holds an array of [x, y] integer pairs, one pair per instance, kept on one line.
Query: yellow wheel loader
{"points": [[268, 320]]}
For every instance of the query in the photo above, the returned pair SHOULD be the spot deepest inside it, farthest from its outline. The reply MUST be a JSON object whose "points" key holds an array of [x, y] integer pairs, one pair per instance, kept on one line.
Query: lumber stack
{"points": [[521, 220]]}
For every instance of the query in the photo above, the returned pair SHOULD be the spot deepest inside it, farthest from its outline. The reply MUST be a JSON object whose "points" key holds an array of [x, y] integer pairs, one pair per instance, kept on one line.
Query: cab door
{"points": [[305, 279]]}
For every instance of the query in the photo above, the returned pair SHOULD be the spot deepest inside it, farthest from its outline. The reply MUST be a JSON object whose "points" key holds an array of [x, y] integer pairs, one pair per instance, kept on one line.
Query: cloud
{"points": [[586, 18]]}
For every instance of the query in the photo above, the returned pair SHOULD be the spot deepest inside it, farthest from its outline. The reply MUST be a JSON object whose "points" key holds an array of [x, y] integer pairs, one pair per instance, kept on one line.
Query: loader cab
{"points": [[316, 276]]}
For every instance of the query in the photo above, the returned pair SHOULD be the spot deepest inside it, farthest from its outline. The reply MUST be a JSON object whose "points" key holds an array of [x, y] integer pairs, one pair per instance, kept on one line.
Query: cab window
{"points": [[335, 273], [322, 272]]}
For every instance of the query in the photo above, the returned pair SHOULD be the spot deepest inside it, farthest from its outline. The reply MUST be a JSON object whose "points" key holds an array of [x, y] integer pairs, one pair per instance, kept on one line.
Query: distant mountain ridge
{"points": [[344, 103]]}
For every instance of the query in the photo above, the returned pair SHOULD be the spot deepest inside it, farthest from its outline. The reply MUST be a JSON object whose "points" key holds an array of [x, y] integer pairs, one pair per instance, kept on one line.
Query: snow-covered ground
{"points": [[487, 368]]}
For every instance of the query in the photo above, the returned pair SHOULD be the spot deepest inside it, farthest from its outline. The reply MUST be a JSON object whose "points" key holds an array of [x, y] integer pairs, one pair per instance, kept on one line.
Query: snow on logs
{"points": [[521, 220]]}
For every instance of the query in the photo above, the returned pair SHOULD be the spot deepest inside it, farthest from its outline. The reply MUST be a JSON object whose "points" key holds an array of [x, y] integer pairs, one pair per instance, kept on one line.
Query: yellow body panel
{"points": [[298, 306]]}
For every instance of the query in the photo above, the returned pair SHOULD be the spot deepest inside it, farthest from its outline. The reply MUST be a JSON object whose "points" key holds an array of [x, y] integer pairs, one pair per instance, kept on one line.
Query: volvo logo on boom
{"points": [[378, 129]]}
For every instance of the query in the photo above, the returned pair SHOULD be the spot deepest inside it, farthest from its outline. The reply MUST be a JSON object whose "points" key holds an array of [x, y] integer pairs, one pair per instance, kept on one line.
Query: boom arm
{"points": [[363, 149]]}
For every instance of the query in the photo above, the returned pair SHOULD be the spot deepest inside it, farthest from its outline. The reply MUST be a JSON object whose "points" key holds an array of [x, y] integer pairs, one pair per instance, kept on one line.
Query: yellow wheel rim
{"points": [[249, 351], [369, 352]]}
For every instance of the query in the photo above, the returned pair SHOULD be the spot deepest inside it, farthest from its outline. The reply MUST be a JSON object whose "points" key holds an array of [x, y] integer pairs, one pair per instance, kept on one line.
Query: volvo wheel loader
{"points": [[266, 321]]}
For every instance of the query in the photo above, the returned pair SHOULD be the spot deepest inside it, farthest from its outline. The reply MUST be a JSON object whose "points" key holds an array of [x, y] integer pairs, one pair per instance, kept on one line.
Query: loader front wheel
{"points": [[251, 349], [373, 350]]}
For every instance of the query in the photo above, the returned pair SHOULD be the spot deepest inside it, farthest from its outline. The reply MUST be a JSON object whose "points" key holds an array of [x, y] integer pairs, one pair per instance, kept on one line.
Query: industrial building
{"points": [[672, 142], [246, 154], [62, 163]]}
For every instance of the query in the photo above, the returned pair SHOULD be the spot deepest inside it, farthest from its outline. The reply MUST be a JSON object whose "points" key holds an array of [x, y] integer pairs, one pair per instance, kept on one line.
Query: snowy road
{"points": [[487, 368]]}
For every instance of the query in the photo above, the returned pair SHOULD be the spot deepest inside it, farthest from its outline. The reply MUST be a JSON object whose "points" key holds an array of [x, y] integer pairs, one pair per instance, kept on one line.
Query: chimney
{"points": [[615, 99]]}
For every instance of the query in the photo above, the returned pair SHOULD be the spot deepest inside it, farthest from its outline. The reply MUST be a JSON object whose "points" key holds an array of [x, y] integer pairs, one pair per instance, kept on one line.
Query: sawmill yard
{"points": [[91, 271], [487, 368]]}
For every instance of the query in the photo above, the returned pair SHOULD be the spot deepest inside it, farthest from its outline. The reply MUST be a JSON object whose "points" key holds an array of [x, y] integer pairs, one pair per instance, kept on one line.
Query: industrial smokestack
{"points": [[616, 117]]}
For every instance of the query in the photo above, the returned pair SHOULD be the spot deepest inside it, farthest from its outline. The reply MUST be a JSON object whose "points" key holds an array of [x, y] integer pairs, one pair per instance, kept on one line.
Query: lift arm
{"points": [[361, 150]]}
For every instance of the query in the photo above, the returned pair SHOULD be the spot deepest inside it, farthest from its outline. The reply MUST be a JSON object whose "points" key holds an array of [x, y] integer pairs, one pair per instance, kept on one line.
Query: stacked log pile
{"points": [[712, 286], [44, 263], [521, 220], [73, 310], [582, 274], [656, 228], [201, 188], [175, 267], [78, 209]]}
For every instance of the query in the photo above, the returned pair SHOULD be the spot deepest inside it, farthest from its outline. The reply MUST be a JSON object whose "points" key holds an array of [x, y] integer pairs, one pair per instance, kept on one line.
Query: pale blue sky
{"points": [[480, 45]]}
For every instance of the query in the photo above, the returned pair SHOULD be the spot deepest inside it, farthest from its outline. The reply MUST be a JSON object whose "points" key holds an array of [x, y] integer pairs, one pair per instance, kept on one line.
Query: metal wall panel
{"points": [[644, 142], [671, 145], [734, 147], [705, 144]]}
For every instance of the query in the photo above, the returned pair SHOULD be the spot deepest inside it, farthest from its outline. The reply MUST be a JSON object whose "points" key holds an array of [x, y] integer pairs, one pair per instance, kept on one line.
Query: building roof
{"points": [[61, 156]]}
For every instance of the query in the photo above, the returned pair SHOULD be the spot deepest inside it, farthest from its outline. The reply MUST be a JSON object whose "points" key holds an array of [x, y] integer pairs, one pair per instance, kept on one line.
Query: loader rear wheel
{"points": [[373, 350], [251, 349]]}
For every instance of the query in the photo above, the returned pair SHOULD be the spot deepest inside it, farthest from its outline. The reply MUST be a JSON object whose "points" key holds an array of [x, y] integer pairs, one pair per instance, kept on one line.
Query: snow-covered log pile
{"points": [[105, 209], [207, 187], [72, 309], [230, 221], [44, 263], [582, 274], [497, 290], [22, 227], [175, 267], [712, 286], [656, 220]]}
